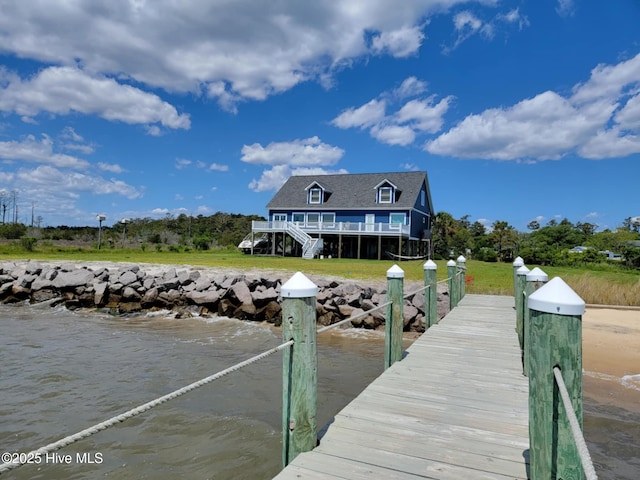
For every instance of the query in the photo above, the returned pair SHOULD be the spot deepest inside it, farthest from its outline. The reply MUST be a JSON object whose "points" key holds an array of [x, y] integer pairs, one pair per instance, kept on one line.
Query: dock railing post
{"points": [[431, 296], [453, 284], [535, 279], [394, 321], [299, 367], [520, 281], [555, 317], [462, 275], [517, 263]]}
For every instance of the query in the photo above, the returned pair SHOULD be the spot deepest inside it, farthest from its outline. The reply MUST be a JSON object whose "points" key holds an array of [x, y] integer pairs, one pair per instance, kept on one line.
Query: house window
{"points": [[313, 219], [315, 195], [397, 218], [385, 195], [298, 218], [279, 217], [328, 220], [423, 198]]}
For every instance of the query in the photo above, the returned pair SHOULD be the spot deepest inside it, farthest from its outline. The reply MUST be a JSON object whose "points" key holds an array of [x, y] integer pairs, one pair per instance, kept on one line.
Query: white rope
{"points": [[351, 319], [421, 289], [52, 447], [445, 280], [578, 437]]}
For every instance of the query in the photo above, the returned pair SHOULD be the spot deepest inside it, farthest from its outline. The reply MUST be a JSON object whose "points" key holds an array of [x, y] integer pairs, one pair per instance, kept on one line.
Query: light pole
{"points": [[124, 222], [101, 217]]}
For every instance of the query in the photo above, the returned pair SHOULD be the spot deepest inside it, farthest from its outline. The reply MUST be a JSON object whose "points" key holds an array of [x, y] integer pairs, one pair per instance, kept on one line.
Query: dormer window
{"points": [[386, 192], [385, 195], [315, 195]]}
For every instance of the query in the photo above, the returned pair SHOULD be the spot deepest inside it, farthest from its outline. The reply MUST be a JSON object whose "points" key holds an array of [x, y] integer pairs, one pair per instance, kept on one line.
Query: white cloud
{"points": [[609, 81], [30, 149], [308, 152], [514, 17], [231, 51], [412, 167], [275, 177], [393, 134], [402, 42], [218, 168], [46, 180], [628, 117], [289, 158], [110, 167], [601, 119], [423, 115], [565, 8], [410, 87], [64, 90], [466, 21], [364, 116], [417, 116], [182, 163]]}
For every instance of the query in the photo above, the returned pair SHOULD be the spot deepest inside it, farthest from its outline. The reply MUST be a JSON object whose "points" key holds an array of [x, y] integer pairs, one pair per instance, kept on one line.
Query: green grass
{"points": [[600, 284]]}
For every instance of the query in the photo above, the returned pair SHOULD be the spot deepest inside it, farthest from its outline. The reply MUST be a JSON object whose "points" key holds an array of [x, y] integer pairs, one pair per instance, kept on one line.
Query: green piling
{"points": [[394, 322], [555, 317], [453, 284], [431, 294], [520, 281], [299, 367], [535, 279]]}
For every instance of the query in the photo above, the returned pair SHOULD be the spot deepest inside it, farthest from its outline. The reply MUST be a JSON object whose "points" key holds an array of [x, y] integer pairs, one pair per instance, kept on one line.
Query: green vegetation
{"points": [[548, 245], [211, 241]]}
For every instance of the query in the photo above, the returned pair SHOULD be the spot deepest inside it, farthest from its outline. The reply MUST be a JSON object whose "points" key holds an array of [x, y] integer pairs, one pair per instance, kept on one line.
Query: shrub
{"points": [[28, 243], [13, 231], [201, 243]]}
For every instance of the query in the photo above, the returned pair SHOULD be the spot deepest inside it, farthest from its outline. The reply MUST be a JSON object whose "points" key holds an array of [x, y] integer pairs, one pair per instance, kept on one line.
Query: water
{"points": [[64, 371]]}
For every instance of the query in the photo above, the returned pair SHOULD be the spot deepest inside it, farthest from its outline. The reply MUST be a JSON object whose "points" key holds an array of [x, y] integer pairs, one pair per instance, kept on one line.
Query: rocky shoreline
{"points": [[187, 291]]}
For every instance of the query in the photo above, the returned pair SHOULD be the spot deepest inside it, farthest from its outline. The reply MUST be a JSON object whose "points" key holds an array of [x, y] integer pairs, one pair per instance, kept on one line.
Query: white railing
{"points": [[391, 229]]}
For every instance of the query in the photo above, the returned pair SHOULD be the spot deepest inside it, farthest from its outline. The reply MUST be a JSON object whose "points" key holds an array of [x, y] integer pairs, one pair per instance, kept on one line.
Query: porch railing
{"points": [[362, 228]]}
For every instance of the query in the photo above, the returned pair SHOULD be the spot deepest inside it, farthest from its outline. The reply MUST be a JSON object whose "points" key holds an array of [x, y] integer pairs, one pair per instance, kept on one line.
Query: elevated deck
{"points": [[456, 407]]}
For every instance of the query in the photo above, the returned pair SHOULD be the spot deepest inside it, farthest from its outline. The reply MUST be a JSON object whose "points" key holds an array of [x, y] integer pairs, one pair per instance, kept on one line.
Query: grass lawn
{"points": [[599, 284]]}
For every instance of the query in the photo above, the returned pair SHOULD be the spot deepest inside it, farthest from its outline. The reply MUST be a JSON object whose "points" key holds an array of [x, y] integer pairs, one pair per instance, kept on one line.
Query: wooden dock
{"points": [[456, 407]]}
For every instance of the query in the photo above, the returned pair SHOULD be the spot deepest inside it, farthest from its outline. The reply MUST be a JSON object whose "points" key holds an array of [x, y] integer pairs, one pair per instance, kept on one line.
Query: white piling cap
{"points": [[556, 297], [518, 262], [451, 263], [430, 265], [395, 272], [522, 270], [537, 275], [298, 286], [461, 259]]}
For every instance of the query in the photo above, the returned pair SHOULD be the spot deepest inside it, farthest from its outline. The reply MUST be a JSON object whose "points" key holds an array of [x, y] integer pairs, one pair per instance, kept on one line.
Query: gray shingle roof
{"points": [[350, 191]]}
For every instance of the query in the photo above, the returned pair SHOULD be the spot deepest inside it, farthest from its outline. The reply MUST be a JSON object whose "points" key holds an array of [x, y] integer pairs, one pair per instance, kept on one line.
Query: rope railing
{"points": [[578, 436], [52, 447], [420, 290], [445, 280], [352, 318]]}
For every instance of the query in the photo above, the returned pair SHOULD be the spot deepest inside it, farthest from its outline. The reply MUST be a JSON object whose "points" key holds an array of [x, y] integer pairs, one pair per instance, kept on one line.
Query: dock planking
{"points": [[455, 407]]}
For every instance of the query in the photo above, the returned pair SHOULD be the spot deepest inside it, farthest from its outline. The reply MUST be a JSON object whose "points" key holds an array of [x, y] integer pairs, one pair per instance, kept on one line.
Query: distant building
{"points": [[350, 216], [579, 249]]}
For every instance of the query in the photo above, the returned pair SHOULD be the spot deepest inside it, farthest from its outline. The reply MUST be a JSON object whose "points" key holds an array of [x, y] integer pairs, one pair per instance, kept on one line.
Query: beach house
{"points": [[369, 215]]}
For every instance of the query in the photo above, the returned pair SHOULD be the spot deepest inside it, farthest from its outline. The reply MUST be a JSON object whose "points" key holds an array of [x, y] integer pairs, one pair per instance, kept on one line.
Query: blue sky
{"points": [[518, 110]]}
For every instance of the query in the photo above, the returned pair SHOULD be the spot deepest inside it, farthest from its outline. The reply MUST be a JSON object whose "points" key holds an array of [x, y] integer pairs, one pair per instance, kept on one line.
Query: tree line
{"points": [[541, 245], [550, 244], [199, 232]]}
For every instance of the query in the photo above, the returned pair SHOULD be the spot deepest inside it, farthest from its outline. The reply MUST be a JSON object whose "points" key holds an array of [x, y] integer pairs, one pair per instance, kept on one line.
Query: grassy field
{"points": [[599, 285]]}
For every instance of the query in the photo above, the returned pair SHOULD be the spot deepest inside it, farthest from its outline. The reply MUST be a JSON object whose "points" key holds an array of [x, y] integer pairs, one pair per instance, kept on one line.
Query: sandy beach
{"points": [[611, 356]]}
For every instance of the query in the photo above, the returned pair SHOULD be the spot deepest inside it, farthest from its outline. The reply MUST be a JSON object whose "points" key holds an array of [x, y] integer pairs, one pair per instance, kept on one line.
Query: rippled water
{"points": [[64, 371]]}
